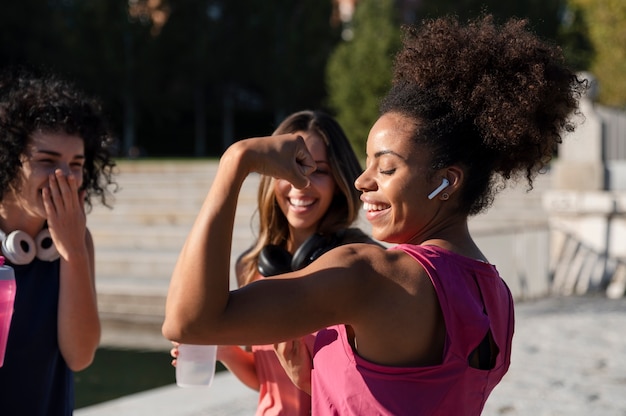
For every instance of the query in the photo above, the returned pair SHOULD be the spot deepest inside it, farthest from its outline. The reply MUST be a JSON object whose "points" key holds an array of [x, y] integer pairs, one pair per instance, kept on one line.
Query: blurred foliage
{"points": [[189, 77], [543, 15], [605, 24], [359, 70], [574, 38], [184, 77]]}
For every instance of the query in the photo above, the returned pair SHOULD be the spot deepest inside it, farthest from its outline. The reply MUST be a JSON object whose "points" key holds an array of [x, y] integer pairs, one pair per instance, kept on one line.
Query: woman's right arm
{"points": [[239, 362], [198, 305]]}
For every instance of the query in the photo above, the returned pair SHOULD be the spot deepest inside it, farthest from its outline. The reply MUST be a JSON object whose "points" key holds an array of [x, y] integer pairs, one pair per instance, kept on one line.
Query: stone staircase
{"points": [[138, 241]]}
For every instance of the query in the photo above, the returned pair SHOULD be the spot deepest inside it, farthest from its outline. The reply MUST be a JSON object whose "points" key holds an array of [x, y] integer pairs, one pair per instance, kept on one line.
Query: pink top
{"points": [[278, 395], [473, 299]]}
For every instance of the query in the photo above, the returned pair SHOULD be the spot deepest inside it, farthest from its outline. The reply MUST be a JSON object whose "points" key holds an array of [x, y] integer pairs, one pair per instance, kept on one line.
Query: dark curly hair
{"points": [[30, 103], [494, 99]]}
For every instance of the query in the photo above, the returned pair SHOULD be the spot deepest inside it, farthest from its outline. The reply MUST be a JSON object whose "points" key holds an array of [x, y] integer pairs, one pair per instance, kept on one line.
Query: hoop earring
{"points": [[19, 248], [445, 196]]}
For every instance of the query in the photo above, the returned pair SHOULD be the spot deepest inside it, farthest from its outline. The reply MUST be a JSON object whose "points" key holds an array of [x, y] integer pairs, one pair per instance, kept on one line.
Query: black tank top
{"points": [[35, 379]]}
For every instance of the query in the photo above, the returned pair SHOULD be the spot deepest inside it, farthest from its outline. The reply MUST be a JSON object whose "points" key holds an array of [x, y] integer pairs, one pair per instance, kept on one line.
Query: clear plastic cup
{"points": [[7, 296], [195, 365]]}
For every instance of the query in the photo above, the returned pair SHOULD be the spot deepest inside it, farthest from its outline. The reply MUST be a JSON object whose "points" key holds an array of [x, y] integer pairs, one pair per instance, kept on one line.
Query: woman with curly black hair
{"points": [[423, 327], [54, 158]]}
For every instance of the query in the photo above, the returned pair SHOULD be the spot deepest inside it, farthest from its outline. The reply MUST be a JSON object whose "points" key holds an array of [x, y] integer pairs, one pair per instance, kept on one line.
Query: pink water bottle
{"points": [[7, 296]]}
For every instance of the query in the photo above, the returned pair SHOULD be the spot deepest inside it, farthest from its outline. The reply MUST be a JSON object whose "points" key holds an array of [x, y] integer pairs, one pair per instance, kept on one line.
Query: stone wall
{"points": [[587, 205]]}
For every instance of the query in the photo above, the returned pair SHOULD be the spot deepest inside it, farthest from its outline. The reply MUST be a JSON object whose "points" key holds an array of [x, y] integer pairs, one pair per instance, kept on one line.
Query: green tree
{"points": [[198, 76], [606, 22], [359, 70], [543, 15], [574, 38], [240, 71]]}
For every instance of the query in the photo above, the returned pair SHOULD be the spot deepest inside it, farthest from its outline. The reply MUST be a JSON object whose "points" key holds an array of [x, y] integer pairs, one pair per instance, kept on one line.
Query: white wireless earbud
{"points": [[444, 185]]}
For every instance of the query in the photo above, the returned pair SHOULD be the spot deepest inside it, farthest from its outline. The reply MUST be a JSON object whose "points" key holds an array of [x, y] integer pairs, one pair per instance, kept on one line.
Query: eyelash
{"points": [[50, 161], [322, 172], [388, 172]]}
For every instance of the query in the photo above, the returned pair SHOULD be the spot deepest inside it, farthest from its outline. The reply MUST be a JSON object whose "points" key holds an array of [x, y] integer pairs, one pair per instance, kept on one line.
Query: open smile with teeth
{"points": [[375, 207], [301, 203]]}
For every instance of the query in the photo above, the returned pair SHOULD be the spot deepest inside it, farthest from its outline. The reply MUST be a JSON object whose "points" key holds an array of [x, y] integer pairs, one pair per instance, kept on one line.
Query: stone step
{"points": [[165, 236], [147, 303], [152, 215], [143, 263], [140, 263], [171, 195], [139, 237], [147, 166]]}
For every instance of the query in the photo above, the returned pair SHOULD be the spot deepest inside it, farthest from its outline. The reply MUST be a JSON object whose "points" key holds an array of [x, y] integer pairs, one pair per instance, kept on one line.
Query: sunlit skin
{"points": [[48, 190], [393, 188], [304, 208], [465, 137], [396, 183], [376, 293]]}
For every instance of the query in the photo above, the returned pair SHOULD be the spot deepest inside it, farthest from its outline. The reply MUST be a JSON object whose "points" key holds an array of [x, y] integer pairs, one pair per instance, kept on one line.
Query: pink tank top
{"points": [[473, 299]]}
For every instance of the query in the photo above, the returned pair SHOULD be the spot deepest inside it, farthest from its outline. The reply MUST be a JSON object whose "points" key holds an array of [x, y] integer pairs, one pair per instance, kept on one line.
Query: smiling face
{"points": [[304, 208], [396, 183], [45, 152]]}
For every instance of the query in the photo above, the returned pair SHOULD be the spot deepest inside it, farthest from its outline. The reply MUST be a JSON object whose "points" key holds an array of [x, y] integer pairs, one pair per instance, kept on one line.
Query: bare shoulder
{"points": [[390, 303], [375, 255], [356, 235], [356, 254], [373, 262], [381, 279]]}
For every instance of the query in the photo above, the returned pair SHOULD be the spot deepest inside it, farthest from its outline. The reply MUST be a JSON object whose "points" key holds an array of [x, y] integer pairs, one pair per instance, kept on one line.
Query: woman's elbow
{"points": [[179, 330], [79, 363], [171, 330], [79, 354]]}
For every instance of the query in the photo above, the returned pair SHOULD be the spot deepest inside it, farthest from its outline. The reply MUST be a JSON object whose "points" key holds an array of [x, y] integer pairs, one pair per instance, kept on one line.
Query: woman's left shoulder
{"points": [[356, 235]]}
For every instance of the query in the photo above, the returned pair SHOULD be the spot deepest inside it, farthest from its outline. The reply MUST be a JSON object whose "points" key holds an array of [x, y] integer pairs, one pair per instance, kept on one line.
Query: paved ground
{"points": [[569, 358]]}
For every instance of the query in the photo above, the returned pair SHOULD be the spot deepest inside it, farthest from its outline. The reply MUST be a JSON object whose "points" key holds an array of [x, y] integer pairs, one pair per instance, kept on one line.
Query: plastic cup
{"points": [[7, 296], [195, 365]]}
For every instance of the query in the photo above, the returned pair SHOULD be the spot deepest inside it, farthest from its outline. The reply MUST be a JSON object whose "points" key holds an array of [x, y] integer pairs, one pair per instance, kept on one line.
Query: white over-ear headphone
{"points": [[19, 248], [444, 185]]}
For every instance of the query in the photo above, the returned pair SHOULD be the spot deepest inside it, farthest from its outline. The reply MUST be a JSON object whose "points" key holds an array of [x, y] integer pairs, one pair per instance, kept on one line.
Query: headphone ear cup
{"points": [[273, 260], [19, 248], [46, 250], [312, 248]]}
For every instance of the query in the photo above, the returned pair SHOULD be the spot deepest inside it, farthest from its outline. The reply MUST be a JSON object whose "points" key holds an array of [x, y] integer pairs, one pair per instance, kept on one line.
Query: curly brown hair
{"points": [[492, 98], [31, 102]]}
